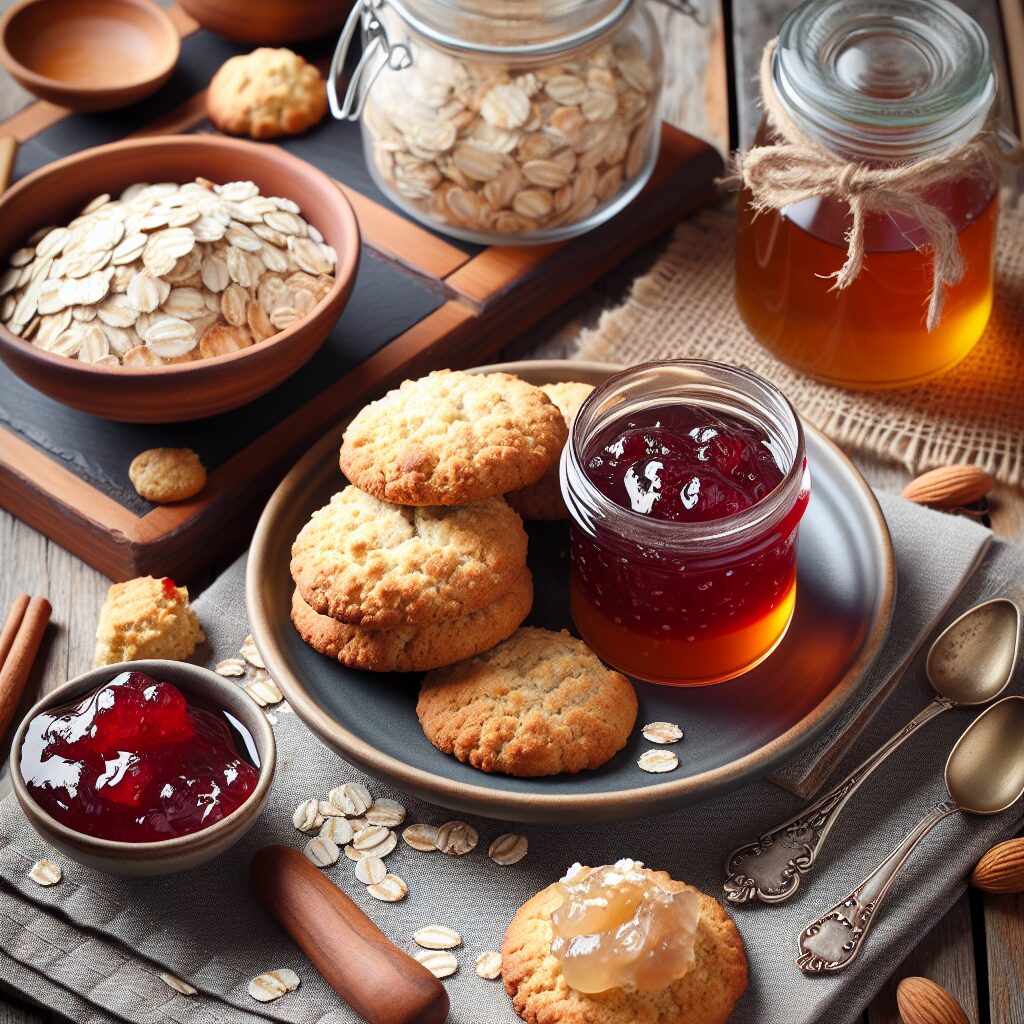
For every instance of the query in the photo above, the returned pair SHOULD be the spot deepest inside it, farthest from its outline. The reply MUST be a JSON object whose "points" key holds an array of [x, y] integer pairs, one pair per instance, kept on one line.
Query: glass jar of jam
{"points": [[505, 121], [881, 83], [686, 482]]}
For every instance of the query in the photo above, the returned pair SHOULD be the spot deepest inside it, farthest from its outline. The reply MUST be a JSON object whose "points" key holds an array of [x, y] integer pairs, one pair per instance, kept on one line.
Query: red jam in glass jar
{"points": [[686, 482], [135, 762]]}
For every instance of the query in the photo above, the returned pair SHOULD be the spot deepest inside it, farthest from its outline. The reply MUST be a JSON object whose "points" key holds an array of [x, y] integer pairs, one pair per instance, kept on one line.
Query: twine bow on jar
{"points": [[793, 168]]}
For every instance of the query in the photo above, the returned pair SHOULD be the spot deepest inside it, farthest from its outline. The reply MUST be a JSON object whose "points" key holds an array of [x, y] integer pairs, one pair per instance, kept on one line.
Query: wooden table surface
{"points": [[977, 949]]}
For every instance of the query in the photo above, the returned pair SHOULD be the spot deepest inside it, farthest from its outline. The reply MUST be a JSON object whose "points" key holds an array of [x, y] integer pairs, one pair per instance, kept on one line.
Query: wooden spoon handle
{"points": [[383, 984]]}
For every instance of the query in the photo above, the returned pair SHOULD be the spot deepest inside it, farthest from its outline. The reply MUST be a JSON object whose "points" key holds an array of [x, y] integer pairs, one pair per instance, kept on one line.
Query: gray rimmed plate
{"points": [[735, 731]]}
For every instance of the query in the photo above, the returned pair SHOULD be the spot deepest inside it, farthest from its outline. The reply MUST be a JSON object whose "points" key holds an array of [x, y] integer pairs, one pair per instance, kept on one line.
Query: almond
{"points": [[921, 1001], [1001, 869], [949, 486]]}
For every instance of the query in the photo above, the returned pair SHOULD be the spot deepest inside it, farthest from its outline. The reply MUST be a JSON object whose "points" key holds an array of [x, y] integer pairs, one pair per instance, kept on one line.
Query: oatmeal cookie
{"points": [[266, 93], [705, 995], [543, 500], [381, 566], [163, 475], [538, 704], [146, 618], [452, 438], [407, 649]]}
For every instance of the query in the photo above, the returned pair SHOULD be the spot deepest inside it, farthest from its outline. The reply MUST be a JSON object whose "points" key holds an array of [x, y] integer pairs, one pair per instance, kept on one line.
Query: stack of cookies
{"points": [[420, 562]]}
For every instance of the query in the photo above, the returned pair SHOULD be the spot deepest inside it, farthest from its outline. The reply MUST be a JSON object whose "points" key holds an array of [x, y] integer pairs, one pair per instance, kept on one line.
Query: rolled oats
{"points": [[437, 936], [264, 691], [265, 988], [508, 849], [390, 889], [488, 964], [307, 816], [421, 837], [385, 812], [230, 667], [440, 963], [456, 837], [338, 830], [179, 986], [353, 797], [371, 870], [322, 852], [658, 761], [662, 732], [45, 873], [161, 257]]}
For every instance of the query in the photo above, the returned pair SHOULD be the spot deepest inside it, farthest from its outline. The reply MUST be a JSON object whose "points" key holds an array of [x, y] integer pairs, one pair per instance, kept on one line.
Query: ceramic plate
{"points": [[735, 731]]}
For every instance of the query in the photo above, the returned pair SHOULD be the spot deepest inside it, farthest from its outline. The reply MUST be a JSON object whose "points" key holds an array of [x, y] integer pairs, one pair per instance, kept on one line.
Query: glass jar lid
{"points": [[884, 79], [512, 27]]}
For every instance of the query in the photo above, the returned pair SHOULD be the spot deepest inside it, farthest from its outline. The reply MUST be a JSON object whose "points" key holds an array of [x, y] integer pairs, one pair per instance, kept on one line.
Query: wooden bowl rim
{"points": [[158, 849], [159, 19], [345, 268]]}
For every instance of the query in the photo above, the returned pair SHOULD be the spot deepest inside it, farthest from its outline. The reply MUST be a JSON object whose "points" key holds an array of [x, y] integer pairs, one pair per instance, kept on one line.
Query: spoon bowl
{"points": [[985, 770], [972, 660]]}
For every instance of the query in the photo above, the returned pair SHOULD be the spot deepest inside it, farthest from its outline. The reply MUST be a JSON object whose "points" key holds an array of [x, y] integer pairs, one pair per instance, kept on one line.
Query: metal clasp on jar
{"points": [[377, 49]]}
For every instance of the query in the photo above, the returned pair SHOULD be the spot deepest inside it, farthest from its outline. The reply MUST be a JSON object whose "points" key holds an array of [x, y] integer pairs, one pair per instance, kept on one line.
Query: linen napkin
{"points": [[93, 947]]}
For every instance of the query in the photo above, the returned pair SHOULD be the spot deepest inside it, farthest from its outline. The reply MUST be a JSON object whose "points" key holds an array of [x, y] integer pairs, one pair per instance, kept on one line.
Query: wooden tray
{"points": [[421, 301]]}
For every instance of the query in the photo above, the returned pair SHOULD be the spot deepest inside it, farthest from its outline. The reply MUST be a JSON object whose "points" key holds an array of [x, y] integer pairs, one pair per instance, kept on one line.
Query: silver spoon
{"points": [[984, 775], [970, 663]]}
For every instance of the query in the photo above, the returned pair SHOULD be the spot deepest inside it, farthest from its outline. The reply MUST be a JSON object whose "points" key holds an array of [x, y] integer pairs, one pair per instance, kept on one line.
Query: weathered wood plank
{"points": [[1004, 942]]}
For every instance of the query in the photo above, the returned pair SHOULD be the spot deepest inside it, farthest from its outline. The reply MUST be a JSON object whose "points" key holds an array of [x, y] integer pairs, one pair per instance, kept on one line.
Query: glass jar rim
{"points": [[588, 506], [884, 79], [553, 29]]}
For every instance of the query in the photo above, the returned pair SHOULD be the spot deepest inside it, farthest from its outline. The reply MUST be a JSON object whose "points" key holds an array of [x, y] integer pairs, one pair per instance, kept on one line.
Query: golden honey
{"points": [[871, 334]]}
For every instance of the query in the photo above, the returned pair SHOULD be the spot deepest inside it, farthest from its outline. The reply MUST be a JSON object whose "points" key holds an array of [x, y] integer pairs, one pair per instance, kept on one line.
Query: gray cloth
{"points": [[92, 947]]}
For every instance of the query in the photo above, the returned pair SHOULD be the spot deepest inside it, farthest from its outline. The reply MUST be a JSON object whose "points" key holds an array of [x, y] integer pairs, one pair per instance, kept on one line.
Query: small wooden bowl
{"points": [[269, 21], [89, 54], [181, 391], [165, 856]]}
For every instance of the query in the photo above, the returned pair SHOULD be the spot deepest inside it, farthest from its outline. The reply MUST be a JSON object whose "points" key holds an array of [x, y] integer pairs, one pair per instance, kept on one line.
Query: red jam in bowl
{"points": [[684, 533], [134, 761]]}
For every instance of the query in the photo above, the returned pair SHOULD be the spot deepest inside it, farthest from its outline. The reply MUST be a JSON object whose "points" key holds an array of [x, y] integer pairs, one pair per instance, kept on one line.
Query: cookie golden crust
{"points": [[543, 500], [163, 475], [146, 618], [381, 566], [266, 93], [452, 438], [540, 703], [705, 995], [415, 650]]}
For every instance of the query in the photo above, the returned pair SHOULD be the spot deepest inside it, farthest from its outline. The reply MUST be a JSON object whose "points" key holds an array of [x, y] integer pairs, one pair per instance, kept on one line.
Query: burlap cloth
{"points": [[684, 307]]}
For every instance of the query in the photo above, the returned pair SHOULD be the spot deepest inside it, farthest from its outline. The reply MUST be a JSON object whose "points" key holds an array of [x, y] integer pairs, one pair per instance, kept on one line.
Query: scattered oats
{"points": [[265, 988], [456, 837], [373, 841], [440, 963], [662, 732], [437, 936], [508, 849], [385, 812], [421, 837], [250, 652], [488, 964], [307, 816], [371, 870], [322, 852], [329, 810], [390, 889], [230, 667], [45, 872], [658, 761], [352, 797], [179, 986], [264, 691], [338, 830]]}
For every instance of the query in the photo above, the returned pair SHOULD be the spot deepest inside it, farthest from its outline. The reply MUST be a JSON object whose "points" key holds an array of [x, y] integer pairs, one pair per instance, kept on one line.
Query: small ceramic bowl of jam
{"points": [[143, 768], [686, 481]]}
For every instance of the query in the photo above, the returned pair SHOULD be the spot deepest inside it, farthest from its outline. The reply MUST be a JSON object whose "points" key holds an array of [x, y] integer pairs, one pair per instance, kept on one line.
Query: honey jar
{"points": [[869, 202], [686, 482]]}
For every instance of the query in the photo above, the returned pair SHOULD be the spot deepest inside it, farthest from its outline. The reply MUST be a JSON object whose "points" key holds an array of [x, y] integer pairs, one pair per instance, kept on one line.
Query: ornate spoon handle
{"points": [[834, 940], [769, 869]]}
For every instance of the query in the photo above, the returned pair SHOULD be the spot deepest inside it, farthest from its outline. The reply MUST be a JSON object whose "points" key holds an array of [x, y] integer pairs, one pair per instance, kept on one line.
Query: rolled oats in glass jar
{"points": [[505, 121]]}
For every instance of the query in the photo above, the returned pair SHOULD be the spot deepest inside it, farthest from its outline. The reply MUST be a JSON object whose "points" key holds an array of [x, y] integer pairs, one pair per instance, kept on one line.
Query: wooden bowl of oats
{"points": [[171, 278]]}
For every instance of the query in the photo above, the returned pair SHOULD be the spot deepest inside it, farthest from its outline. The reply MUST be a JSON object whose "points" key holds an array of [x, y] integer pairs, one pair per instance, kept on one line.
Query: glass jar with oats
{"points": [[869, 201], [505, 121]]}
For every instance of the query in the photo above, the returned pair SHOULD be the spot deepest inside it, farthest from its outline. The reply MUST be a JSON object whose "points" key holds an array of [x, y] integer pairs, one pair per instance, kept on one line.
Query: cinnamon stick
{"points": [[11, 626], [17, 664]]}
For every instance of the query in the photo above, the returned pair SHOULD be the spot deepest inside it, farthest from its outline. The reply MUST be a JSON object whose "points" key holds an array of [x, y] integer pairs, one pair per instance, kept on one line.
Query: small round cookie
{"points": [[163, 475], [266, 93], [543, 500], [705, 995], [381, 566], [452, 438], [540, 703], [415, 650]]}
